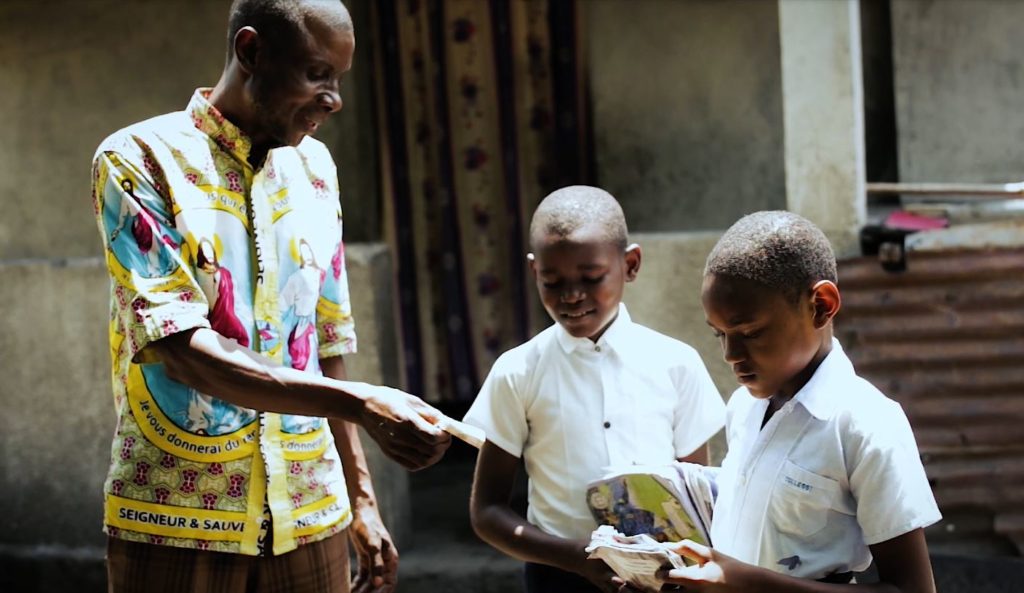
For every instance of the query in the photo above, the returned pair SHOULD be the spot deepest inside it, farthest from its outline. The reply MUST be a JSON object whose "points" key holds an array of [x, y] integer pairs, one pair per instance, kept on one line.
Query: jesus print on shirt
{"points": [[137, 234], [219, 287]]}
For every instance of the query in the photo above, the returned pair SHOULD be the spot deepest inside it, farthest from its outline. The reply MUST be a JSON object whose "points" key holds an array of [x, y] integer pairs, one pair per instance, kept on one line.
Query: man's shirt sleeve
{"points": [[335, 326], [155, 293]]}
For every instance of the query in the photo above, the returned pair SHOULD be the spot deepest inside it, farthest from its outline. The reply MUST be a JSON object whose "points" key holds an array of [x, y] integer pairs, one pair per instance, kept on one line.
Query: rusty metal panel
{"points": [[945, 338]]}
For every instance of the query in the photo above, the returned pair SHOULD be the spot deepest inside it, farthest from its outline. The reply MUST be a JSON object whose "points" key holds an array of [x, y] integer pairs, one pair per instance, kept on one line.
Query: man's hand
{"points": [[403, 426], [375, 552]]}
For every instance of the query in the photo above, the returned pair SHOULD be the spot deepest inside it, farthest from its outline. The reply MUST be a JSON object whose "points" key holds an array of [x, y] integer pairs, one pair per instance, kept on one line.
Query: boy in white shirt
{"points": [[822, 472], [592, 391]]}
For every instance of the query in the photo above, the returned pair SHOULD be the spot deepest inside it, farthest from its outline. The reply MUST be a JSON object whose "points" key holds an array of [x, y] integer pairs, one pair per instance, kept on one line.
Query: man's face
{"points": [[580, 279], [294, 91], [768, 340]]}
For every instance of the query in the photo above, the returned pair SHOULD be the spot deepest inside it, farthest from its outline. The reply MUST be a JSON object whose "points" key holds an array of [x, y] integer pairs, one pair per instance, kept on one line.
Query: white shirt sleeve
{"points": [[699, 411], [888, 480], [499, 409]]}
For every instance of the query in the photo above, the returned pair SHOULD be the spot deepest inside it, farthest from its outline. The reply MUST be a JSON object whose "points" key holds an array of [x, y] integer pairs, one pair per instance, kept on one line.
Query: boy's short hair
{"points": [[779, 249], [566, 210]]}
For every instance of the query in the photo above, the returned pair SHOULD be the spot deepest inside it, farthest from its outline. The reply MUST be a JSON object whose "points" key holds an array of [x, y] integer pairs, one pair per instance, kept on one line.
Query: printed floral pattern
{"points": [[180, 251]]}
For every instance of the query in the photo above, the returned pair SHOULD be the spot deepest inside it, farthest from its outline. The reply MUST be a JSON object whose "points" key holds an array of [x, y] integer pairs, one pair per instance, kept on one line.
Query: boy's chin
{"points": [[591, 327], [579, 332], [758, 392]]}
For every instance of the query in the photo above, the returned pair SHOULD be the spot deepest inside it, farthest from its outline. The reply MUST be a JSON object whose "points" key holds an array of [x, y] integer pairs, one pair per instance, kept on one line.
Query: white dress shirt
{"points": [[572, 407], [834, 470]]}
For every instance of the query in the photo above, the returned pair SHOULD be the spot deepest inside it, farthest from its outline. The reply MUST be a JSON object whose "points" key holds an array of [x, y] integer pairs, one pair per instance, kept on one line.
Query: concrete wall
{"points": [[959, 79], [687, 109], [70, 85], [823, 114], [58, 421]]}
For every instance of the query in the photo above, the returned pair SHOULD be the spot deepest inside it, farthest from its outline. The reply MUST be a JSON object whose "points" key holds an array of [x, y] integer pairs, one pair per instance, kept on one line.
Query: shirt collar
{"points": [[212, 122], [614, 337], [820, 395]]}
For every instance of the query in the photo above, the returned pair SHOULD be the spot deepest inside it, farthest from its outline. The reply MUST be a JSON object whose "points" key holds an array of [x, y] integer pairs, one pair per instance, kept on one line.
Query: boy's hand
{"points": [[403, 426], [713, 571], [598, 573]]}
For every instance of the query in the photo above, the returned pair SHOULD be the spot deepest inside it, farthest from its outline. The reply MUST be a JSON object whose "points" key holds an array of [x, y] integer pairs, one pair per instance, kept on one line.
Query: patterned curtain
{"points": [[480, 117]]}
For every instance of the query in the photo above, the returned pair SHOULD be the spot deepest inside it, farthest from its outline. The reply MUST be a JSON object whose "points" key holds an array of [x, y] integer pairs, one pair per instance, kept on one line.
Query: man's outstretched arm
{"points": [[403, 425]]}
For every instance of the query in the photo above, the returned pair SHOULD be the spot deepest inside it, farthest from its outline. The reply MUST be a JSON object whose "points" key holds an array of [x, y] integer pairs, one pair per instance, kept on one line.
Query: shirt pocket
{"points": [[801, 501]]}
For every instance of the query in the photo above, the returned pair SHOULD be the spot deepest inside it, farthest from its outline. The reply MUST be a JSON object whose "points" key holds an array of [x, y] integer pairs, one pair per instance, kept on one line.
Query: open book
{"points": [[635, 559], [643, 509], [669, 503]]}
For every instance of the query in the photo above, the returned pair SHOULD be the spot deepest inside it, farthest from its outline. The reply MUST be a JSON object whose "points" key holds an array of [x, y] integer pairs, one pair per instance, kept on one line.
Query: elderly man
{"points": [[236, 464]]}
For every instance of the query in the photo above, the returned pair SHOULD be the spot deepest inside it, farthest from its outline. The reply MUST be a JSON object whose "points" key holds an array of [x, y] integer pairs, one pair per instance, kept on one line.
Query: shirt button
{"points": [[597, 348], [607, 424]]}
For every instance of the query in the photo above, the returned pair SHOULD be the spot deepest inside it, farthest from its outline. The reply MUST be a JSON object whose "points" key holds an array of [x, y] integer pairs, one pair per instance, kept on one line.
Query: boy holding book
{"points": [[823, 473], [594, 390]]}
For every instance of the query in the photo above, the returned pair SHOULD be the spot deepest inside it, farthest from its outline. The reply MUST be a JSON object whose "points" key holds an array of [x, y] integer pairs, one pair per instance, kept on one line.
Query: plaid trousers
{"points": [[320, 567]]}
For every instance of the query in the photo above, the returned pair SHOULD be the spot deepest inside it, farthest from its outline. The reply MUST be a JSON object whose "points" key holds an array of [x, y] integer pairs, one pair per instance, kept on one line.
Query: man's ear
{"points": [[826, 302], [633, 257], [247, 46], [532, 261]]}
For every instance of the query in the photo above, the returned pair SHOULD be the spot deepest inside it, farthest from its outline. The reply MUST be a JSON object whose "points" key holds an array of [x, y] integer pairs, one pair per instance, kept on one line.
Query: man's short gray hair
{"points": [[280, 22]]}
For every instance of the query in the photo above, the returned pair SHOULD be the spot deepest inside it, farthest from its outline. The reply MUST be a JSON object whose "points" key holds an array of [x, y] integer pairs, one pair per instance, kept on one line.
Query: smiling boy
{"points": [[593, 390]]}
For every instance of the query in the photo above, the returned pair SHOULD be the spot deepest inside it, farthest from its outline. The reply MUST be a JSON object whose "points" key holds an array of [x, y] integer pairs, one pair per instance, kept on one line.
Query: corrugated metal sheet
{"points": [[945, 338]]}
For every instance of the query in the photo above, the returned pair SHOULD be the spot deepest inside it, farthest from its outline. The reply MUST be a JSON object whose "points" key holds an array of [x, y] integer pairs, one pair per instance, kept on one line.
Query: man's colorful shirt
{"points": [[196, 238]]}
